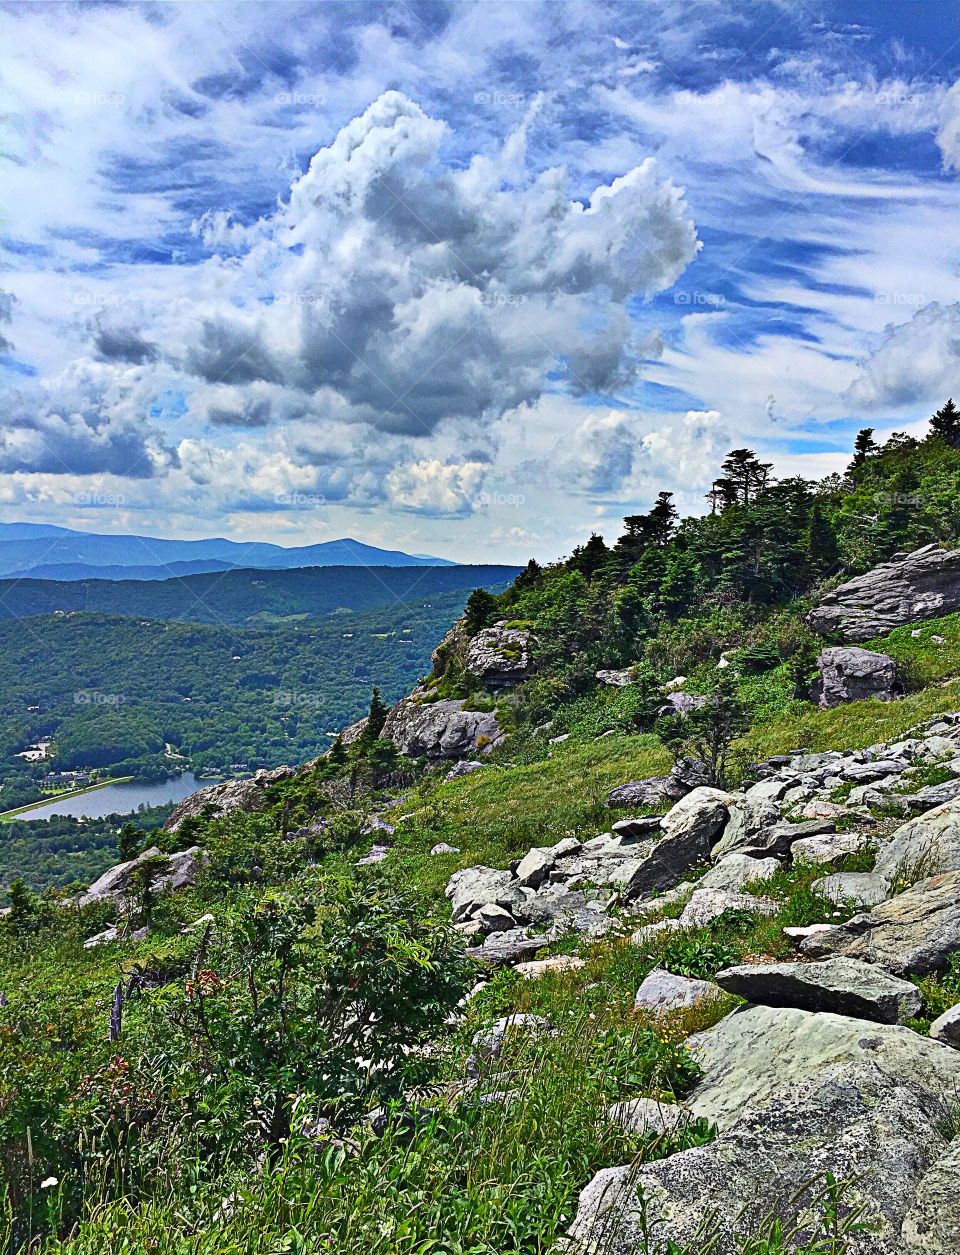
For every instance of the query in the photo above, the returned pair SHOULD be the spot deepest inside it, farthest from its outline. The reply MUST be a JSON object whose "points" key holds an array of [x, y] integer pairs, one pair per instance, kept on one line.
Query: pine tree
{"points": [[747, 474], [946, 424], [338, 753], [480, 609], [591, 557], [864, 447], [820, 543], [129, 840], [377, 716]]}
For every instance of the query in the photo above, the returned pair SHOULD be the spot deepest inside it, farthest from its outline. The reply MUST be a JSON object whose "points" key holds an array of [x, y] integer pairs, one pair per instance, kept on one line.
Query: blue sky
{"points": [[473, 279]]}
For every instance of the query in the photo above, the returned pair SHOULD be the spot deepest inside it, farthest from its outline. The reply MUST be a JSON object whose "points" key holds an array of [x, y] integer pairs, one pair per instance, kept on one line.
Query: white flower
{"points": [[48, 1182]]}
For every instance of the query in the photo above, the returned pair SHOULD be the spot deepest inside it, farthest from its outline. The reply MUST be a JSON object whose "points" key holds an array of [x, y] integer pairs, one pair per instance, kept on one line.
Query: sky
{"points": [[470, 279]]}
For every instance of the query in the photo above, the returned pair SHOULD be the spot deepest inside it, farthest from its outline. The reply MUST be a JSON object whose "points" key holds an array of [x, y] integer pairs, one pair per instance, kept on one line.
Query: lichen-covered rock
{"points": [[689, 829], [921, 585], [663, 991], [932, 1225], [844, 986], [684, 776], [850, 674], [441, 729], [500, 655], [860, 888], [928, 845], [910, 935], [794, 1094], [228, 795], [946, 1027]]}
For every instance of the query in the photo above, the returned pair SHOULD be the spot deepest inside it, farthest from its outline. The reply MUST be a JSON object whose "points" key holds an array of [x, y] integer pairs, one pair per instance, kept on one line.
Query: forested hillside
{"points": [[244, 596]]}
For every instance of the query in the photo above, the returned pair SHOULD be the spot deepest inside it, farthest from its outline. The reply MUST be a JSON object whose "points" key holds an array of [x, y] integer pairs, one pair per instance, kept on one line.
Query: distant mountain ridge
{"points": [[245, 596], [44, 551]]}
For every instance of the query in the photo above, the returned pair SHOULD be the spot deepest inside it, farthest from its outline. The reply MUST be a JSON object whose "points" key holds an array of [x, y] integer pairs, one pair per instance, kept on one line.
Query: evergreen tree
{"points": [[338, 753], [590, 558], [946, 424], [480, 609], [746, 473], [820, 543], [129, 842], [377, 716], [529, 575], [864, 447]]}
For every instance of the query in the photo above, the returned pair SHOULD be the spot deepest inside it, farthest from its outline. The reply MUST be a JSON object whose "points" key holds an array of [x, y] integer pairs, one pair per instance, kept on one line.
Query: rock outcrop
{"points": [[441, 729], [794, 1094], [920, 585], [227, 795], [500, 655], [845, 986], [179, 871], [850, 674], [925, 846]]}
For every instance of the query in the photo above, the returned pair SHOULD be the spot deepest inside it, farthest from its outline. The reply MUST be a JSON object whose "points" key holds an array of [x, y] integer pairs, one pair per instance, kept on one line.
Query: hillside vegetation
{"points": [[282, 1056]]}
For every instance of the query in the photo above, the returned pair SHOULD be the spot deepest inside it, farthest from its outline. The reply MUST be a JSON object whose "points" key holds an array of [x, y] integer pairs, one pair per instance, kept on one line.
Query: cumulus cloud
{"points": [[434, 487], [918, 361]]}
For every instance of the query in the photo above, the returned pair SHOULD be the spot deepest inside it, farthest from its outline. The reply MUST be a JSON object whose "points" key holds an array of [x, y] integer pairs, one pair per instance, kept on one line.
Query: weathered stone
{"points": [[927, 798], [850, 674], [926, 846], [464, 768], [860, 888], [844, 986], [689, 829], [642, 826], [506, 949], [534, 868], [662, 991], [681, 704], [226, 796], [706, 905], [500, 655], [921, 585], [616, 679], [684, 776], [775, 840], [554, 965], [488, 1043], [494, 919], [829, 847], [747, 827], [442, 848], [647, 1115], [932, 1224], [441, 729], [735, 870], [910, 935], [474, 887], [179, 872], [794, 1094], [946, 1027]]}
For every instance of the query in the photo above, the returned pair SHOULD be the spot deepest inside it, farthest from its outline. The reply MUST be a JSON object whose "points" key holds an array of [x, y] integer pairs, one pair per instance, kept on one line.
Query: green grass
{"points": [[921, 660]]}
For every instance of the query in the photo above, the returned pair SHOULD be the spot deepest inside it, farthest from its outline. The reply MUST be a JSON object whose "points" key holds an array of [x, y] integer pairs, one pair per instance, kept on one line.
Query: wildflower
{"points": [[48, 1182]]}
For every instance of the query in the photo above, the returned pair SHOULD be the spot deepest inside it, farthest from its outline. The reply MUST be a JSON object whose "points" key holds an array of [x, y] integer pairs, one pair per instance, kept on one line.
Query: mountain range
{"points": [[43, 551]]}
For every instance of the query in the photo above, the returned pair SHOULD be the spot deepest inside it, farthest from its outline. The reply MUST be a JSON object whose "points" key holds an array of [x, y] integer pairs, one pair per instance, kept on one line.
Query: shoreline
{"points": [[6, 816]]}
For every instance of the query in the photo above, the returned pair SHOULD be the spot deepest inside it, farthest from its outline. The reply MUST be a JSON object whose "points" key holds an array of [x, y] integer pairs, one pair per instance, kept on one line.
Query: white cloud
{"points": [[433, 487], [948, 135], [918, 362]]}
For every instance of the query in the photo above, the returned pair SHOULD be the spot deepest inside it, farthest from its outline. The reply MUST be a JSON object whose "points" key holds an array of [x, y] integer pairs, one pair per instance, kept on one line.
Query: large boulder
{"points": [[685, 775], [920, 585], [911, 935], [441, 729], [179, 872], [688, 831], [228, 795], [846, 986], [932, 1225], [500, 655], [795, 1095], [926, 846], [662, 991], [850, 674]]}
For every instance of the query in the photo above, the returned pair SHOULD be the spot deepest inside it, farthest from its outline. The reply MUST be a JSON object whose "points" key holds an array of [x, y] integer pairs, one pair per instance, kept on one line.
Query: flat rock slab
{"points": [[946, 1028], [829, 847], [503, 951], [843, 986], [548, 967], [860, 888], [662, 991], [911, 935]]}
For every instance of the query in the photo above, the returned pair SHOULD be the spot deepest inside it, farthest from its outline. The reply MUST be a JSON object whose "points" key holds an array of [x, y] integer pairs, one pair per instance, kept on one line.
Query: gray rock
{"points": [[474, 887], [488, 1043], [829, 847], [663, 991], [506, 949], [735, 870], [932, 1224], [378, 853], [500, 656], [706, 905], [681, 704], [494, 919], [860, 888], [684, 776], [921, 585], [441, 729], [931, 795], [226, 796], [926, 846], [464, 768], [442, 848], [864, 773], [794, 1094], [616, 679], [643, 826], [850, 674], [844, 986], [552, 966], [535, 867], [689, 830], [647, 1115], [179, 873], [910, 935], [772, 841], [771, 790], [946, 1027], [746, 828]]}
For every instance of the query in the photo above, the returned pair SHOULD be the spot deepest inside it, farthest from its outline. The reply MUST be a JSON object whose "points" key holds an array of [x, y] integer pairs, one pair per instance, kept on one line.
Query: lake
{"points": [[119, 799]]}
